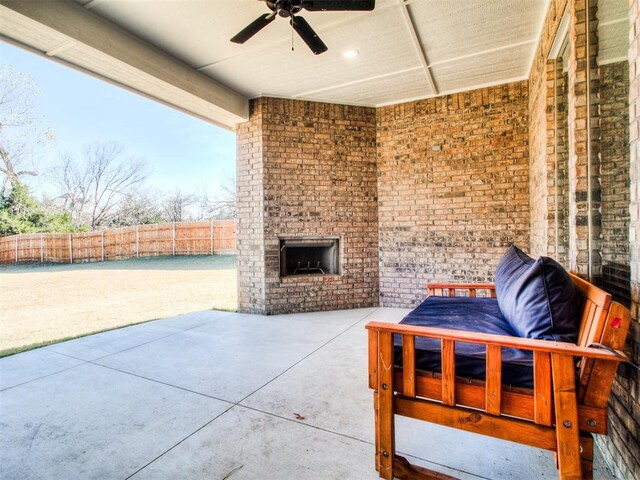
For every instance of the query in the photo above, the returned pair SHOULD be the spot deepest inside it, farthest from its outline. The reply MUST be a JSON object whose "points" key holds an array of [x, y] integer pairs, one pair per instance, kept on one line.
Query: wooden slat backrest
{"points": [[604, 322], [596, 303], [465, 289], [594, 311]]}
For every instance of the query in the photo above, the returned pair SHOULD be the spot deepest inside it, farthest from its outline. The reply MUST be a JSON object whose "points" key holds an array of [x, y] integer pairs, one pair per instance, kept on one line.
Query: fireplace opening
{"points": [[309, 256]]}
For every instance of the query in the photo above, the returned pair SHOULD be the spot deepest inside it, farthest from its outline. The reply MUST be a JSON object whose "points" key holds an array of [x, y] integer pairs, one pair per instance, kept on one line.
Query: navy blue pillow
{"points": [[538, 297]]}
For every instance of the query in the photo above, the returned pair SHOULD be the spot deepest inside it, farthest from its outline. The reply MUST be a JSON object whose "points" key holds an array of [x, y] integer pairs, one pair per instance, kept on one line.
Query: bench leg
{"points": [[566, 406], [586, 456], [376, 430], [385, 427]]}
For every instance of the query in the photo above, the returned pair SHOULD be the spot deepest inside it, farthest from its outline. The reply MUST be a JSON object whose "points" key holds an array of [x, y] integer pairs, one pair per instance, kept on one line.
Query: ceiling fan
{"points": [[290, 9]]}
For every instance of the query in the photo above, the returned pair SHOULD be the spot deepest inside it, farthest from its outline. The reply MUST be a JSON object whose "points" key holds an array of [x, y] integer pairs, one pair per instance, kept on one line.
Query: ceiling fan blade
{"points": [[253, 28], [338, 5], [307, 34]]}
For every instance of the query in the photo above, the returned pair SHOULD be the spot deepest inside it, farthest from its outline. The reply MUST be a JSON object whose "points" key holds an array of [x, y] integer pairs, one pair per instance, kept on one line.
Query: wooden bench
{"points": [[560, 413]]}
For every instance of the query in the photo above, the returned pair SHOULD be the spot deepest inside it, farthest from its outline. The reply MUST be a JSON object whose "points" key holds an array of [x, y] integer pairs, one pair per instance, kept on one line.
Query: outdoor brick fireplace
{"points": [[308, 213], [309, 256]]}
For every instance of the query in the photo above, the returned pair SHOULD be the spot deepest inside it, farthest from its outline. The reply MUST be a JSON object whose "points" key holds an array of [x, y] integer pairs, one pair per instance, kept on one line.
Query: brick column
{"points": [[584, 185], [250, 212]]}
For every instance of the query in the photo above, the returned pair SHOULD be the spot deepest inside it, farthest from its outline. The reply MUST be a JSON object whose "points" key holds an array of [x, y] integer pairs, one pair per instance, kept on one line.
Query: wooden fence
{"points": [[184, 238]]}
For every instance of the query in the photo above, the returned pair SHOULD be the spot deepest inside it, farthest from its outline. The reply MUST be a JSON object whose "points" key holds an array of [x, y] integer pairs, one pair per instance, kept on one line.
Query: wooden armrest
{"points": [[437, 288], [498, 340]]}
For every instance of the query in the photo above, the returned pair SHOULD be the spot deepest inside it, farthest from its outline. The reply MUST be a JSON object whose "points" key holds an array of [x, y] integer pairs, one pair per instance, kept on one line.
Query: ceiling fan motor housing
{"points": [[286, 8]]}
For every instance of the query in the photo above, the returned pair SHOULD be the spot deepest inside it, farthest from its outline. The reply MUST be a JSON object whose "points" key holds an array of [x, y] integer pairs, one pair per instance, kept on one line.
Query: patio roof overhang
{"points": [[70, 34]]}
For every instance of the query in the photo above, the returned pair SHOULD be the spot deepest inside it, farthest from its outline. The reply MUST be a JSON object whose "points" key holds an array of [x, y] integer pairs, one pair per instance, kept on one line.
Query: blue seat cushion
{"points": [[538, 297], [468, 314]]}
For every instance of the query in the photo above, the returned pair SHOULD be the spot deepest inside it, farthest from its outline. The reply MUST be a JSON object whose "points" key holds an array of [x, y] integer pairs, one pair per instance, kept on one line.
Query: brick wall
{"points": [[315, 173], [609, 241], [622, 446], [584, 141], [614, 164], [453, 188]]}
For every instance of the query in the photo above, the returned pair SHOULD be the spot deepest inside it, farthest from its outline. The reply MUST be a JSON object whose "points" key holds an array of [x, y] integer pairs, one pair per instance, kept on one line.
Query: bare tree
{"points": [[74, 186], [221, 206], [175, 207], [20, 135], [94, 189], [138, 208], [10, 167]]}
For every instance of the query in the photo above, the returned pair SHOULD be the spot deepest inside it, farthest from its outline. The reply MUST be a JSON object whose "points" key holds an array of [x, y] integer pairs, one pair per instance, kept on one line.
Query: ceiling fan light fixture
{"points": [[352, 53]]}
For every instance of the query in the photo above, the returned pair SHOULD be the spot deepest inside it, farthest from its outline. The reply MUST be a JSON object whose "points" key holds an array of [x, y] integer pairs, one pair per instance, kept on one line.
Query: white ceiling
{"points": [[613, 31], [461, 44], [178, 51]]}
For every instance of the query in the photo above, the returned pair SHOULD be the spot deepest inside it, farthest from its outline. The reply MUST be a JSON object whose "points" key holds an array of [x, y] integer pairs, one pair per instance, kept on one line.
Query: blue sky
{"points": [[181, 151]]}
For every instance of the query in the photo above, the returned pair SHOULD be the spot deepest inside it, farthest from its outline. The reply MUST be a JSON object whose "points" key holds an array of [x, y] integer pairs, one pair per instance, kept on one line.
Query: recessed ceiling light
{"points": [[351, 53]]}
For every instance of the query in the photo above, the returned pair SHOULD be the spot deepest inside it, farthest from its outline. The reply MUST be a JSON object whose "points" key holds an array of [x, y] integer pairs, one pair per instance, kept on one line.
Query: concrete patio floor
{"points": [[215, 395]]}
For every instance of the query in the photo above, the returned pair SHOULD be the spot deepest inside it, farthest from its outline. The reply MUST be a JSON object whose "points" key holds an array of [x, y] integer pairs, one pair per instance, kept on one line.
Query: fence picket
{"points": [[211, 240], [174, 238]]}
